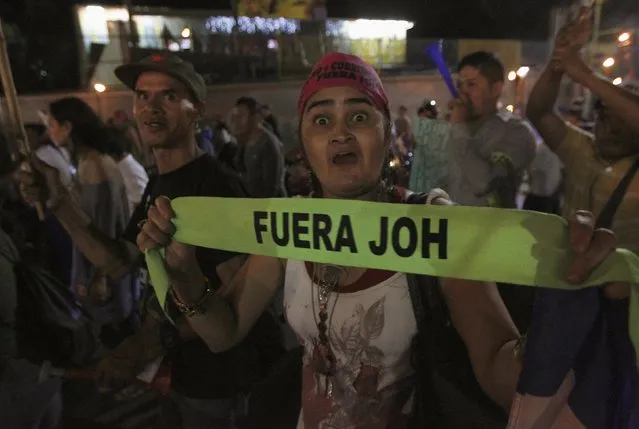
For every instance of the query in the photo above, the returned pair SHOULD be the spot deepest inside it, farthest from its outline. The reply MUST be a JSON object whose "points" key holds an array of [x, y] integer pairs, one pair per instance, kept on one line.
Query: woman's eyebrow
{"points": [[330, 102]]}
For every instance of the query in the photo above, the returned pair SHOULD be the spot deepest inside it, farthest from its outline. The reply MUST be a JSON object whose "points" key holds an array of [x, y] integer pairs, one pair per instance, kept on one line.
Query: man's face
{"points": [[164, 111], [480, 95], [613, 137], [243, 121]]}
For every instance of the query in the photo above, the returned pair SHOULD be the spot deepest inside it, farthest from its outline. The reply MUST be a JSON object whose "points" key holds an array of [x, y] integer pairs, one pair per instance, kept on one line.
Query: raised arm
{"points": [[620, 101], [113, 257], [541, 108]]}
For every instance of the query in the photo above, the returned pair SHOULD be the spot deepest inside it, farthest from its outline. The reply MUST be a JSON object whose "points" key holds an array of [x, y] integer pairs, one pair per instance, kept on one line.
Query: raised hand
{"points": [[41, 184], [571, 39], [157, 233]]}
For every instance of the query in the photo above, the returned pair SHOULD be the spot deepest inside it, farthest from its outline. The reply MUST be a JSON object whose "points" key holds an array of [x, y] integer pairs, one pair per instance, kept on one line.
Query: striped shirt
{"points": [[590, 181]]}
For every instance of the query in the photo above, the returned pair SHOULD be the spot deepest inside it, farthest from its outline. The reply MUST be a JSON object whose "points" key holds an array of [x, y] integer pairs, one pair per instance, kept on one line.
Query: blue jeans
{"points": [[26, 403], [179, 412]]}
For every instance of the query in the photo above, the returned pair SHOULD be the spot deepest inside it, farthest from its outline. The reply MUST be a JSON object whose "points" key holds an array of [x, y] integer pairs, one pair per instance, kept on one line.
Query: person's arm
{"points": [[483, 322], [620, 101], [264, 176], [231, 312], [113, 257], [541, 108]]}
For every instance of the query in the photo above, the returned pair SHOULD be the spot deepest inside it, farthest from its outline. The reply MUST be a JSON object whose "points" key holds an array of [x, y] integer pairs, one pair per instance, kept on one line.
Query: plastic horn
{"points": [[435, 52], [13, 108]]}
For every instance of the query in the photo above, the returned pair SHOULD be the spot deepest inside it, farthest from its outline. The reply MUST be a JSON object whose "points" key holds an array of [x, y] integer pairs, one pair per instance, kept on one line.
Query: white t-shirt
{"points": [[370, 333], [135, 180], [545, 172]]}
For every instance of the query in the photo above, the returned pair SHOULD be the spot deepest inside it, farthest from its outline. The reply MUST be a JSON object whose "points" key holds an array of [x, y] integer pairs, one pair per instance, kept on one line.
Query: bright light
{"points": [[99, 87], [609, 62], [512, 76], [623, 37], [510, 108], [617, 81], [174, 47], [433, 102], [522, 72], [186, 32], [377, 29]]}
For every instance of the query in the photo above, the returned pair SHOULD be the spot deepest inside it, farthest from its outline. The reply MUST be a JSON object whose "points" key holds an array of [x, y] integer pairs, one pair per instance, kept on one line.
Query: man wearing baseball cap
{"points": [[169, 97]]}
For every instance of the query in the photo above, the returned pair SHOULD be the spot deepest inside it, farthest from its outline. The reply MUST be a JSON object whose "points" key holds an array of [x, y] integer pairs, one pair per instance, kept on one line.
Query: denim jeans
{"points": [[25, 403], [179, 412]]}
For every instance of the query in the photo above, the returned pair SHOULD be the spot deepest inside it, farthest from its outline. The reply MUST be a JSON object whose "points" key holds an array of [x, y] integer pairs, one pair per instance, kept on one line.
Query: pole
{"points": [[13, 108], [593, 48]]}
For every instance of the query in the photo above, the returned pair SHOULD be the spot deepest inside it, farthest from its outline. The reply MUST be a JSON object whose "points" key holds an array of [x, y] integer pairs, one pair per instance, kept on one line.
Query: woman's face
{"points": [[345, 140], [58, 133]]}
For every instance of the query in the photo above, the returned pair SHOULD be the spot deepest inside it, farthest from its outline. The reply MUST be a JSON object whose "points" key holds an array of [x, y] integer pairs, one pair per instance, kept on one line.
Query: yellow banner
{"points": [[291, 9]]}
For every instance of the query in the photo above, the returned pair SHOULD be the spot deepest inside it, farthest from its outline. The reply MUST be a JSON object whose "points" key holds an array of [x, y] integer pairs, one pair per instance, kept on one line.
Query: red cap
{"points": [[337, 69]]}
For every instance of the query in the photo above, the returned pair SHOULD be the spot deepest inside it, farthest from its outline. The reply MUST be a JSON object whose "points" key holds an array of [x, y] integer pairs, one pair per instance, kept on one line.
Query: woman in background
{"points": [[72, 124]]}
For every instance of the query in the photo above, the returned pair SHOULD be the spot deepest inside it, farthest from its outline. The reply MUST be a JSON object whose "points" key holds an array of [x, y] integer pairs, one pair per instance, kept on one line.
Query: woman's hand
{"points": [[179, 258], [590, 247]]}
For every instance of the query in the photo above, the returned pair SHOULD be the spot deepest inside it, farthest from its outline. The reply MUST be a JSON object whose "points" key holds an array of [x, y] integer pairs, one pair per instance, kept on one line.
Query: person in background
{"points": [[134, 175], [594, 164], [600, 172], [122, 121], [74, 125], [489, 150], [270, 120], [204, 138], [429, 168], [47, 151], [57, 244], [403, 131], [428, 110], [25, 402], [544, 180], [298, 175], [259, 160]]}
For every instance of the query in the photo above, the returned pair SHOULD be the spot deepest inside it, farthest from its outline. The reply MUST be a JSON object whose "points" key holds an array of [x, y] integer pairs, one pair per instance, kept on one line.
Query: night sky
{"points": [[514, 19]]}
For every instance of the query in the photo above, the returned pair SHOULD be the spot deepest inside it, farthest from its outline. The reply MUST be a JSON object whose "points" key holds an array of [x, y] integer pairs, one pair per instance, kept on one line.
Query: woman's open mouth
{"points": [[345, 158]]}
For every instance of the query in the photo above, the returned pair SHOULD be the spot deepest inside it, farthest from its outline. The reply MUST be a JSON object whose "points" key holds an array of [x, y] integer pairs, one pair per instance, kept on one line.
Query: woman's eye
{"points": [[321, 120], [170, 96], [360, 117]]}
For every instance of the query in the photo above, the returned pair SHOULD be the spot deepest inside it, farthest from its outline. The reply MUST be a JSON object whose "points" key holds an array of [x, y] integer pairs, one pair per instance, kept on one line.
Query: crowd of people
{"points": [[256, 341]]}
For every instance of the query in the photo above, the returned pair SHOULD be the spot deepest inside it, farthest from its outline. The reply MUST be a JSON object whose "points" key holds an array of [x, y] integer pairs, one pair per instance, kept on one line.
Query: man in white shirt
{"points": [[544, 178], [133, 173]]}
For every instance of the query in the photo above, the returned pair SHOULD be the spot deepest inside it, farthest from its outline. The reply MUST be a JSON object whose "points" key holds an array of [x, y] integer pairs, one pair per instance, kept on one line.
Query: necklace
{"points": [[326, 277]]}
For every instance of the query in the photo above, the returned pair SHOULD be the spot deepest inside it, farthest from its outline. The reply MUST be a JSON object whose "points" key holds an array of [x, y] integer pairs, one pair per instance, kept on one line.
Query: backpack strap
{"points": [[616, 198]]}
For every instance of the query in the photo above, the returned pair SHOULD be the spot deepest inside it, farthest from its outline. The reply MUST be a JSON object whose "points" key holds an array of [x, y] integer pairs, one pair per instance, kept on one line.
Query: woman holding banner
{"points": [[358, 326]]}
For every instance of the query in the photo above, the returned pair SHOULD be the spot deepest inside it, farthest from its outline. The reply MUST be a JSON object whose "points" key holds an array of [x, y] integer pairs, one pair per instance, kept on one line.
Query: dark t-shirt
{"points": [[196, 371]]}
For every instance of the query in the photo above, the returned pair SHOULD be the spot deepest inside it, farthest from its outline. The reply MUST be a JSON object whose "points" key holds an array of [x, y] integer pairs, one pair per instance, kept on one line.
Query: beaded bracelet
{"points": [[197, 308]]}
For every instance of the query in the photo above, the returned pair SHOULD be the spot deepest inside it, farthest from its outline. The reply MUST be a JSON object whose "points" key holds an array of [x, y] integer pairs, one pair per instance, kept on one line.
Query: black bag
{"points": [[447, 394], [50, 324]]}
